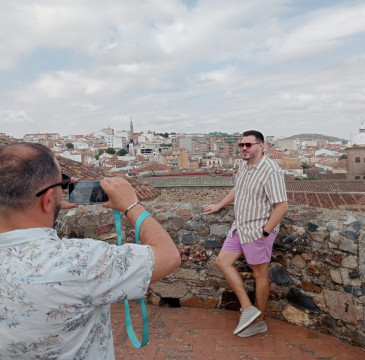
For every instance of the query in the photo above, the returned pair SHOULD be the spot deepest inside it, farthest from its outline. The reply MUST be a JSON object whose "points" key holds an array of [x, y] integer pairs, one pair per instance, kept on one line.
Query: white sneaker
{"points": [[248, 315], [253, 329]]}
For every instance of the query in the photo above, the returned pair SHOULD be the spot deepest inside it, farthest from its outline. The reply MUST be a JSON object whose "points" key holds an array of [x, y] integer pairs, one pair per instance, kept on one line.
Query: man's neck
{"points": [[252, 162], [21, 222]]}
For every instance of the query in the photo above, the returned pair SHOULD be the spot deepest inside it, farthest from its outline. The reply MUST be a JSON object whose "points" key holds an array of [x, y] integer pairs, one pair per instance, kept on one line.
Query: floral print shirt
{"points": [[55, 294]]}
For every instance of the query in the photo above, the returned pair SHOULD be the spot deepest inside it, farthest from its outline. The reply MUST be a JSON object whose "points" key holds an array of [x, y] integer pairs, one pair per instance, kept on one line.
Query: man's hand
{"points": [[120, 193], [211, 208], [65, 205]]}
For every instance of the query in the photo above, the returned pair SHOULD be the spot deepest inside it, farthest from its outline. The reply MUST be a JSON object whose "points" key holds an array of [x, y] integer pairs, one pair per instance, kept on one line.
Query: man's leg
{"points": [[249, 313], [258, 255], [225, 261], [261, 273]]}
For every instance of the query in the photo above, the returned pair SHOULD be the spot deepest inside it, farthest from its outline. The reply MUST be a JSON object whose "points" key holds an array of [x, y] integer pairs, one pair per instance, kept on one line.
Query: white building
{"points": [[81, 144], [115, 142], [68, 155], [324, 152]]}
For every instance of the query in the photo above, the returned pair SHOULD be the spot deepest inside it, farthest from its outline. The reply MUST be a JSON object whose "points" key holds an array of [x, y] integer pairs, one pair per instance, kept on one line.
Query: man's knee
{"points": [[260, 271], [226, 259], [219, 261]]}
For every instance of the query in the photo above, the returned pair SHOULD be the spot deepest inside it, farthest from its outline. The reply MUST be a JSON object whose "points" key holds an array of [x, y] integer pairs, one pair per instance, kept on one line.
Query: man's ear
{"points": [[47, 201]]}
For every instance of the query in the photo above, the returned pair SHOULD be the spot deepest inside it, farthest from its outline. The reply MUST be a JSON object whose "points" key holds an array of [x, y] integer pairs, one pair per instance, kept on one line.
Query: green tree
{"points": [[70, 146], [122, 152], [305, 166], [343, 156], [101, 151], [110, 150], [165, 135]]}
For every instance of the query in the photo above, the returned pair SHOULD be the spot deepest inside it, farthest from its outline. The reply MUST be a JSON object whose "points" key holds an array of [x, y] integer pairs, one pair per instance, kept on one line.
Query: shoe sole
{"points": [[245, 336], [248, 322]]}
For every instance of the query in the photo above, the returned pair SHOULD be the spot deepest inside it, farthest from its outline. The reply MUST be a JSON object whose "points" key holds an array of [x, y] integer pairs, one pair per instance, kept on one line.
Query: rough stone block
{"points": [[350, 262], [191, 225], [340, 306], [295, 316], [191, 238], [219, 230], [175, 224], [336, 276], [335, 237], [312, 227], [102, 229], [350, 234], [195, 302], [281, 277], [350, 219], [308, 286], [318, 236], [176, 289], [293, 230], [89, 220], [212, 244], [332, 226], [354, 290], [349, 246], [188, 274], [302, 301], [299, 262]]}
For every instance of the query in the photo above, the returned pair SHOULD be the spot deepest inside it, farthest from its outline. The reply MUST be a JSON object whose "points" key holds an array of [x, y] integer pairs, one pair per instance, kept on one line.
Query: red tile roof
{"points": [[345, 194], [88, 172]]}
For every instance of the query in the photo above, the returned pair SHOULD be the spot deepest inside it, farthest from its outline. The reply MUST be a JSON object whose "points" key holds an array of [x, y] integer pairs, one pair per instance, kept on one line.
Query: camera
{"points": [[86, 192]]}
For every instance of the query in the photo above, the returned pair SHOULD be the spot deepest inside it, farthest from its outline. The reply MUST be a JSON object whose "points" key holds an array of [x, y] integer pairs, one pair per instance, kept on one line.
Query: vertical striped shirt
{"points": [[257, 190]]}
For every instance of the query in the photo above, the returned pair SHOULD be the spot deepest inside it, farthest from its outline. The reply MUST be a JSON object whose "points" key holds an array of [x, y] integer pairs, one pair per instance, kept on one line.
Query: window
{"points": [[357, 177], [357, 159]]}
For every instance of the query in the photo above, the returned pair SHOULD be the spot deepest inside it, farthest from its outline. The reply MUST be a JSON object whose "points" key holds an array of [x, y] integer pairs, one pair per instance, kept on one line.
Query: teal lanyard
{"points": [[128, 322]]}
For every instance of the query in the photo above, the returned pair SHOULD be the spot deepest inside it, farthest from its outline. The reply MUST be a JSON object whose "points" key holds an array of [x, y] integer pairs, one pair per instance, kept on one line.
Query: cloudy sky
{"points": [[280, 66]]}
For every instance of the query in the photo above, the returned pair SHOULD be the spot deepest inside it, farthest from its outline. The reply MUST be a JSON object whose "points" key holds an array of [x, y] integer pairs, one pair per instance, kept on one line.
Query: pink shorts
{"points": [[256, 252]]}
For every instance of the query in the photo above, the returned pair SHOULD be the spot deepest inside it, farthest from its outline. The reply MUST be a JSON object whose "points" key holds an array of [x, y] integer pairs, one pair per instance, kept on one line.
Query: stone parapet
{"points": [[317, 270]]}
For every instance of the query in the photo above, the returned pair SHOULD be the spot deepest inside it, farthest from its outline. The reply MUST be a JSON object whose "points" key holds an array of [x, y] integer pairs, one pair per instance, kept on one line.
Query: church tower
{"points": [[131, 131]]}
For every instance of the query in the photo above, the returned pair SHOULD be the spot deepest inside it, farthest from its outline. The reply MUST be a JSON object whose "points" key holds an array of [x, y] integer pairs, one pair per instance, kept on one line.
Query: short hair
{"points": [[24, 168], [259, 137]]}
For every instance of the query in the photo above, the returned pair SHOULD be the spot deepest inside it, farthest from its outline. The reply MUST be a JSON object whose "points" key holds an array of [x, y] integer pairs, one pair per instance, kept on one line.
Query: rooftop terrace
{"points": [[202, 334]]}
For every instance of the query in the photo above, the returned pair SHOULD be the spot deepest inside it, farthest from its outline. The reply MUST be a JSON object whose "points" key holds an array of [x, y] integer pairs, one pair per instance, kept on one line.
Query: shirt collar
{"points": [[17, 237], [259, 164]]}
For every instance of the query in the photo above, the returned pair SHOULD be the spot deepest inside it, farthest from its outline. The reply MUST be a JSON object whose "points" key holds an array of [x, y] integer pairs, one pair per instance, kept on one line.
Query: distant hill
{"points": [[314, 137]]}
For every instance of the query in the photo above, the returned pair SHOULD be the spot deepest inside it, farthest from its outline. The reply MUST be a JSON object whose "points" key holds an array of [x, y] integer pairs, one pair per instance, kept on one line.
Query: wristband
{"points": [[139, 222], [130, 207], [265, 233]]}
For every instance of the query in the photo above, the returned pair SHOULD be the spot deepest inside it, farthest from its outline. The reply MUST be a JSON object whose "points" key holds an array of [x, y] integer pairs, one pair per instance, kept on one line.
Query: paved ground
{"points": [[200, 334]]}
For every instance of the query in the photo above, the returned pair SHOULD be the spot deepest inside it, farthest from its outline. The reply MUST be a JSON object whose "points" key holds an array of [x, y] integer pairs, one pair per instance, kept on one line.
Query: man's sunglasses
{"points": [[248, 145], [64, 184]]}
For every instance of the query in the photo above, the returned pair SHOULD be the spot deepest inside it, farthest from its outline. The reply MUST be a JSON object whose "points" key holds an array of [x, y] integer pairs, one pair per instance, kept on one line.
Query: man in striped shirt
{"points": [[260, 202]]}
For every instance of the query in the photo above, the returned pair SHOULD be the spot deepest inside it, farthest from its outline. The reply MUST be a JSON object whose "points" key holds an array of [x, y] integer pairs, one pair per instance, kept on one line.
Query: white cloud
{"points": [[11, 117], [213, 66]]}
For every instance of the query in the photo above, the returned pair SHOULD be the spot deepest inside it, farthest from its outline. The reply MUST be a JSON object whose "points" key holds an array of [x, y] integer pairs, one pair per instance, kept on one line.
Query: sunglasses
{"points": [[248, 145], [64, 185]]}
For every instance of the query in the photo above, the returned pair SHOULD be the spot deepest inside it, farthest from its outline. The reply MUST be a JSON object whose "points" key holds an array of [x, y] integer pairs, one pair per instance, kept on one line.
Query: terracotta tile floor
{"points": [[200, 334]]}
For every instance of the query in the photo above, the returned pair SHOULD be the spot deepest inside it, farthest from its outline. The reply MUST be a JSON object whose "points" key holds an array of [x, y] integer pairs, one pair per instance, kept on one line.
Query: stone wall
{"points": [[187, 181], [317, 268]]}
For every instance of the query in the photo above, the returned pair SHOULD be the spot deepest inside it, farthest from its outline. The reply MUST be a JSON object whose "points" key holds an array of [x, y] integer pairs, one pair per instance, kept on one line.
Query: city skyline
{"points": [[182, 66]]}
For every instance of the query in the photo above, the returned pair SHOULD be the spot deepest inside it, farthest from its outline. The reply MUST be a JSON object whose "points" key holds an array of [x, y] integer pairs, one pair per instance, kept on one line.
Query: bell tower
{"points": [[131, 131]]}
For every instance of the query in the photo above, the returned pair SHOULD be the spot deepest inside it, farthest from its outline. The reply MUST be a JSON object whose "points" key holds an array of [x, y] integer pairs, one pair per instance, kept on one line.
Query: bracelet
{"points": [[130, 207]]}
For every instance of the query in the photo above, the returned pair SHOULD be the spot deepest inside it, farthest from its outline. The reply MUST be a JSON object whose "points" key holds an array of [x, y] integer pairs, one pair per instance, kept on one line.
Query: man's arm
{"points": [[279, 211], [121, 196], [229, 199]]}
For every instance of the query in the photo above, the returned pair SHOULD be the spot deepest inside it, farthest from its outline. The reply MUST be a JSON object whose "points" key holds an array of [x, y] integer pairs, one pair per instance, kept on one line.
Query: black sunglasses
{"points": [[64, 184], [248, 145]]}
